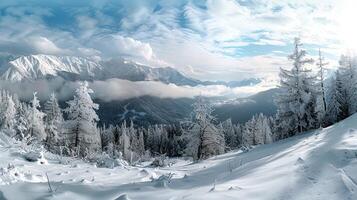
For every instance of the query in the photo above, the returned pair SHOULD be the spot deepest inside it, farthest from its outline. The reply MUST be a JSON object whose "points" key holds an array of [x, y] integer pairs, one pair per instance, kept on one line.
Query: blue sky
{"points": [[206, 39]]}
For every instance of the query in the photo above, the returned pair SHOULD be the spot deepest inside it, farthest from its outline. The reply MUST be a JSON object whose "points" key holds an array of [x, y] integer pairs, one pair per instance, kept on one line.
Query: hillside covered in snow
{"points": [[320, 164]]}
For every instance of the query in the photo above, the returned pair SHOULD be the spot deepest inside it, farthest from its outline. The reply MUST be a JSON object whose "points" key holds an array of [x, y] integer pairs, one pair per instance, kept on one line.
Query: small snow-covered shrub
{"points": [[159, 162], [35, 156], [105, 161], [163, 180], [32, 156], [245, 149]]}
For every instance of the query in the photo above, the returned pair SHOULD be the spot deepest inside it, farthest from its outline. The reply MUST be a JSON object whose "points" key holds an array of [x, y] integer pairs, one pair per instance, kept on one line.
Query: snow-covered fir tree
{"points": [[263, 134], [81, 125], [8, 115], [53, 122], [348, 76], [342, 97], [321, 78], [248, 135], [297, 100], [125, 142], [36, 120], [204, 139], [333, 106], [230, 135]]}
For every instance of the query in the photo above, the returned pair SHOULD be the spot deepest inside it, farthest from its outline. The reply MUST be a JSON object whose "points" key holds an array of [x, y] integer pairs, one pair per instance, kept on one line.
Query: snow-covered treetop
{"points": [[82, 106]]}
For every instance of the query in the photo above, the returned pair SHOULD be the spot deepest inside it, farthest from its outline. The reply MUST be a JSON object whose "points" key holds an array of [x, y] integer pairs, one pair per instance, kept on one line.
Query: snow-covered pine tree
{"points": [[204, 139], [229, 134], [150, 138], [249, 132], [35, 118], [134, 143], [125, 142], [321, 72], [82, 122], [22, 125], [333, 107], [116, 141], [297, 101], [163, 140], [141, 144], [53, 122], [342, 97], [348, 74], [8, 116], [263, 134], [238, 129]]}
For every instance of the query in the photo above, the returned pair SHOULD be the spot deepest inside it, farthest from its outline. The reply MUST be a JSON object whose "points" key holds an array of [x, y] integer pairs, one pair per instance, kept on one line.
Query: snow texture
{"points": [[320, 164]]}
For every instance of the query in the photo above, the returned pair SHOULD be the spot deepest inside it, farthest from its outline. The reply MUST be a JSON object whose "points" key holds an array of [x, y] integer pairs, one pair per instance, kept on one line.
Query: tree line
{"points": [[73, 130]]}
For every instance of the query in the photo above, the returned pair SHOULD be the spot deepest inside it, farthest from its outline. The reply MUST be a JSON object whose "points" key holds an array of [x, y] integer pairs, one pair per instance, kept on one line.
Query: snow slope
{"points": [[318, 165]]}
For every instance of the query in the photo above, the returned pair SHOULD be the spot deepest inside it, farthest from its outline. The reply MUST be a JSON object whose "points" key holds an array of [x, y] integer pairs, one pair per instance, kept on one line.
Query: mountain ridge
{"points": [[33, 67]]}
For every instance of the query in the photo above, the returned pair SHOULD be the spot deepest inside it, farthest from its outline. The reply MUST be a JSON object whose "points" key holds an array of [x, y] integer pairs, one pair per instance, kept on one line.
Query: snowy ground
{"points": [[316, 165]]}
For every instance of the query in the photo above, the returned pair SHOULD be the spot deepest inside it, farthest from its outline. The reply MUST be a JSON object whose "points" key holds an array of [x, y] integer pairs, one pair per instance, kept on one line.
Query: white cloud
{"points": [[206, 39], [43, 45], [125, 89], [128, 89]]}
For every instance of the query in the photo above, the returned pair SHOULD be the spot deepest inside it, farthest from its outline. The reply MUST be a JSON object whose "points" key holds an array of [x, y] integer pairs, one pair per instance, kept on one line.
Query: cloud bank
{"points": [[118, 89]]}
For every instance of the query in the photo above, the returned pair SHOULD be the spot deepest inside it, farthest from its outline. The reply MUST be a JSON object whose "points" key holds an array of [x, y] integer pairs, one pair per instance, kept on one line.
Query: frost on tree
{"points": [[337, 101], [322, 97], [35, 118], [348, 76], [204, 138], [8, 114], [82, 122], [53, 122], [230, 135], [263, 133], [297, 100]]}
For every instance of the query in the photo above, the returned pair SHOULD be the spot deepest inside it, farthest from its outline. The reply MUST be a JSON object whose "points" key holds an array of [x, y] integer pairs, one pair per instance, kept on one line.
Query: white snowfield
{"points": [[318, 165]]}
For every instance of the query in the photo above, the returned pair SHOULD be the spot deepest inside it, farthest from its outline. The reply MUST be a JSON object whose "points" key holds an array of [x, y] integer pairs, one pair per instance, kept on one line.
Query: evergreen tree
{"points": [[53, 122], [342, 97], [348, 77], [248, 135], [333, 109], [321, 64], [204, 139], [82, 122], [229, 134], [125, 142], [263, 134], [35, 118], [22, 126], [8, 116], [297, 101]]}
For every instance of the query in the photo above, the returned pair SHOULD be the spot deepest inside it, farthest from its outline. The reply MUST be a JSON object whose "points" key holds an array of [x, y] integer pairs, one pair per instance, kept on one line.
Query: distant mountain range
{"points": [[142, 110], [153, 110], [35, 67]]}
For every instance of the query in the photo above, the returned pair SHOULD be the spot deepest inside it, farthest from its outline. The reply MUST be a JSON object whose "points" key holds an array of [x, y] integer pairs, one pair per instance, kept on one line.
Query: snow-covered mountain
{"points": [[321, 164], [43, 66], [123, 69], [35, 67]]}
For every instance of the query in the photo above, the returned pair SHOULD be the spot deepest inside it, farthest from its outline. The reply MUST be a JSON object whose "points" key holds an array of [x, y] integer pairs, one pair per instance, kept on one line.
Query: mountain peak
{"points": [[40, 66]]}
